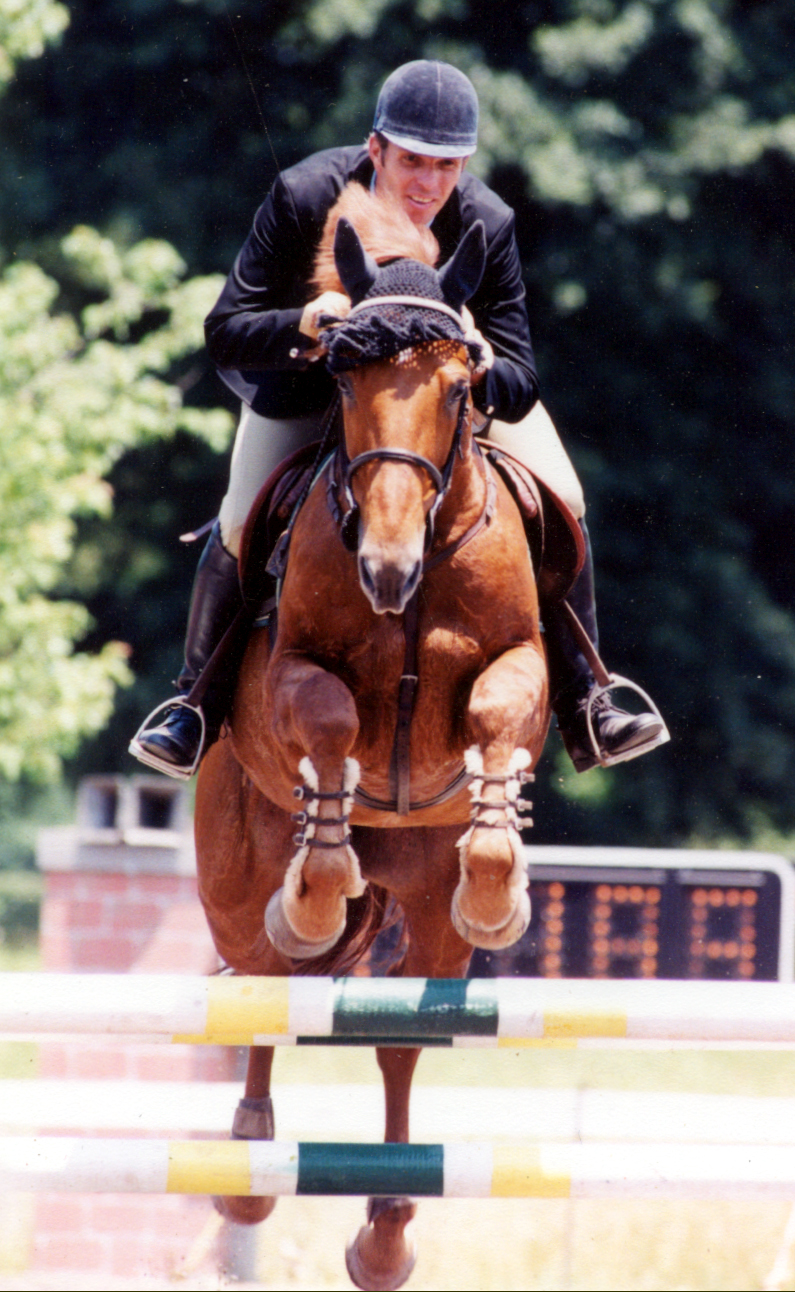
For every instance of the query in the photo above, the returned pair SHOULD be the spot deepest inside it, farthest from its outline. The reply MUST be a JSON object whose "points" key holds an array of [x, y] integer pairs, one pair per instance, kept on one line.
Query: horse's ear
{"points": [[356, 268], [460, 277]]}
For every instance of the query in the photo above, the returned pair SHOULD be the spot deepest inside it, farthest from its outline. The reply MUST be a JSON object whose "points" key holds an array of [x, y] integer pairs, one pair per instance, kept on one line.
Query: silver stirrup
{"points": [[609, 760], [154, 760]]}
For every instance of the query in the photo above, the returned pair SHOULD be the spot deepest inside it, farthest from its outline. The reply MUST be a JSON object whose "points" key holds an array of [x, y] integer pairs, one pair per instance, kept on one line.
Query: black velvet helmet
{"points": [[429, 108]]}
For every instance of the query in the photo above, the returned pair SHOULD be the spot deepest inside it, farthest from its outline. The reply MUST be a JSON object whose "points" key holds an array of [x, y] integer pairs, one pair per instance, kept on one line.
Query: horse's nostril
{"points": [[366, 576]]}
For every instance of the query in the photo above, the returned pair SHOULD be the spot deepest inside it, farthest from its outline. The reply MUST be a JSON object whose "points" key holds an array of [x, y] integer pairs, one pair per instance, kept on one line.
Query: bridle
{"points": [[343, 469]]}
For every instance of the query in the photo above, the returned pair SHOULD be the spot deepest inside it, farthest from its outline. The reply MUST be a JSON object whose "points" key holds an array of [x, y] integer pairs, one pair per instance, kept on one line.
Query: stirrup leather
{"points": [[601, 688], [154, 760]]}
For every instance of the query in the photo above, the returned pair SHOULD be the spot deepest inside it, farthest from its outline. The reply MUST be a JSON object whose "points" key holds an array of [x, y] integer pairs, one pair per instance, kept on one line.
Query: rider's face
{"points": [[420, 185]]}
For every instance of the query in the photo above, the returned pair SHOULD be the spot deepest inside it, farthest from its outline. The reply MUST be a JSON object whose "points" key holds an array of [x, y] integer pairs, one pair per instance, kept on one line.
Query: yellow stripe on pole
{"points": [[579, 1022], [207, 1166], [536, 1043], [242, 1007], [519, 1172]]}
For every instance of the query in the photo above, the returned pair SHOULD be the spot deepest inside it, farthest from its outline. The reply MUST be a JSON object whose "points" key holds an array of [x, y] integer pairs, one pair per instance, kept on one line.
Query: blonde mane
{"points": [[386, 232]]}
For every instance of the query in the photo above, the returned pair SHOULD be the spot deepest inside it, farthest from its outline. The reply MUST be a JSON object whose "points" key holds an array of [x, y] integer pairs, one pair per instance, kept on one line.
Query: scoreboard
{"points": [[653, 913]]}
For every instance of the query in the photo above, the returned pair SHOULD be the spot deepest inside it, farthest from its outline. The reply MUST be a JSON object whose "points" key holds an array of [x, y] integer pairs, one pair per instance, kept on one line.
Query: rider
{"points": [[425, 129]]}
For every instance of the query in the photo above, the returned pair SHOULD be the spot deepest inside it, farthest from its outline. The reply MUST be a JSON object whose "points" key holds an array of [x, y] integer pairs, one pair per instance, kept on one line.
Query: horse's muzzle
{"points": [[388, 585]]}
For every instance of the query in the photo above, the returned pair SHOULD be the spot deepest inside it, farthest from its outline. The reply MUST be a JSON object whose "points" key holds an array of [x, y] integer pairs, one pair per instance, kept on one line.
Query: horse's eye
{"points": [[456, 393], [345, 386]]}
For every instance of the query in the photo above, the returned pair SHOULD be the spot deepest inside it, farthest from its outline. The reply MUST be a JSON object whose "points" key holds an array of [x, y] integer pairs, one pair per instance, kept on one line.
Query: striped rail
{"points": [[366, 1011], [471, 1170]]}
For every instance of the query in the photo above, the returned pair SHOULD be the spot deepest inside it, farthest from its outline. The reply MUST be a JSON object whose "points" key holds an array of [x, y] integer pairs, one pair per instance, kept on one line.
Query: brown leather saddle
{"points": [[553, 534]]}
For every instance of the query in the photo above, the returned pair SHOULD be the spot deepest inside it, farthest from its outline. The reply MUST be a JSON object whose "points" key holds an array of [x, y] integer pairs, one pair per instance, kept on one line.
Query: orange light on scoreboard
{"points": [[656, 922], [722, 933], [625, 929]]}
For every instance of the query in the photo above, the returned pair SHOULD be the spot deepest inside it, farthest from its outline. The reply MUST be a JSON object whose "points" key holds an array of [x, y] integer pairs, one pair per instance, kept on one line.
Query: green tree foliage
{"points": [[26, 28], [648, 148], [74, 396]]}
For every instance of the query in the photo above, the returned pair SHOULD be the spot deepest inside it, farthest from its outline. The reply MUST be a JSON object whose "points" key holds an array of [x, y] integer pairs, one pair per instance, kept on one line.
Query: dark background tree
{"points": [[649, 152]]}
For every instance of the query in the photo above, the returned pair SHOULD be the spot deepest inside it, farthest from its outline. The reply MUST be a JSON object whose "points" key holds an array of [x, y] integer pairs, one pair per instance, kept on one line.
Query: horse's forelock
{"points": [[385, 230]]}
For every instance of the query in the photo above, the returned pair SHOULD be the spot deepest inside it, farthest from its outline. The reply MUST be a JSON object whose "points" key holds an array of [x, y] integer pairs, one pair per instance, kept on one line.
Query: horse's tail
{"points": [[367, 916]]}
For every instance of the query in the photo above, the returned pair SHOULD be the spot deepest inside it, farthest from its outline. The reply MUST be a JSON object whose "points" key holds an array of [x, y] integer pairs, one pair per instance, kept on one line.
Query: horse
{"points": [[403, 698]]}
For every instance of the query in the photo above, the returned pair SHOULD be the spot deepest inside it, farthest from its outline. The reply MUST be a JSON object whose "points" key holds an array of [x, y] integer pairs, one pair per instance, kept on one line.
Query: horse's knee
{"points": [[323, 716]]}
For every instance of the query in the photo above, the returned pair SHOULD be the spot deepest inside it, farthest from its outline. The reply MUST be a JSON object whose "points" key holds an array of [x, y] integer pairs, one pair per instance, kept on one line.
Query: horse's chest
{"points": [[445, 664]]}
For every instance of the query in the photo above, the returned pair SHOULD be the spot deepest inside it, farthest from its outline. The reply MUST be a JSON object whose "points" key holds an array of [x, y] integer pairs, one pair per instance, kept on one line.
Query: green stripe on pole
{"points": [[394, 1042], [415, 1008], [388, 1170]]}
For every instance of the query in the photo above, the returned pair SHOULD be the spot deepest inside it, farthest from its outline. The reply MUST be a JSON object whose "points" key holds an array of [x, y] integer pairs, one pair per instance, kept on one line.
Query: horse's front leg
{"points": [[507, 720], [315, 725]]}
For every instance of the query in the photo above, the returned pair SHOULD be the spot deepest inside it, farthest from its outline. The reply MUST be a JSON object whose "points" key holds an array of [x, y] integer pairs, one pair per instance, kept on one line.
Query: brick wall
{"points": [[120, 897]]}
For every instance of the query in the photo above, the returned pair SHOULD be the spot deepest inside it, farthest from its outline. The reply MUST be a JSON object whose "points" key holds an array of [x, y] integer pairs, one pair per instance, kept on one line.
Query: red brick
{"points": [[107, 884], [164, 1064], [74, 1253], [143, 916], [98, 1062], [57, 1213], [87, 913], [58, 885], [53, 1059], [121, 1213], [111, 954]]}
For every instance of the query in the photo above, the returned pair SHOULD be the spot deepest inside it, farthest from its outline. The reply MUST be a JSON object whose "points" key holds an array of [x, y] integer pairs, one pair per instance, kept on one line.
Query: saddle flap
{"points": [[553, 532], [268, 518]]}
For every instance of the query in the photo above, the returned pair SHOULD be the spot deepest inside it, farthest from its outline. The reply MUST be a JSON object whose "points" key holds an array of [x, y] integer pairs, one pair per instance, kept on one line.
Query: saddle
{"points": [[554, 536], [268, 521]]}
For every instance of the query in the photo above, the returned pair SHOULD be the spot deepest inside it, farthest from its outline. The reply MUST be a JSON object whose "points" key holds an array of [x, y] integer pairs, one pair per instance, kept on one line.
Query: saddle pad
{"points": [[553, 532]]}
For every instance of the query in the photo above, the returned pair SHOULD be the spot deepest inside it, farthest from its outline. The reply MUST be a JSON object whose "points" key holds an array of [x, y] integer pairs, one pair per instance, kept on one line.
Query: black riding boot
{"points": [[175, 744], [618, 734]]}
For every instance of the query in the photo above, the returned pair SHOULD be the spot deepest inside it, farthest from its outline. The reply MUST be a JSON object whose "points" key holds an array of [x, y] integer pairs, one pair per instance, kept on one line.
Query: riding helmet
{"points": [[429, 108]]}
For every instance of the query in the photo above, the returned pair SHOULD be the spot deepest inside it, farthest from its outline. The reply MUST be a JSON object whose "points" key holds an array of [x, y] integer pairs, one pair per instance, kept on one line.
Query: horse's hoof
{"points": [[253, 1120], [368, 1273], [244, 1211], [286, 941], [492, 939]]}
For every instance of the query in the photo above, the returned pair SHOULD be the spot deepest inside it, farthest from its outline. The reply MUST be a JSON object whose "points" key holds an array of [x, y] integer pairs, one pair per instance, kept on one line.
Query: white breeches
{"points": [[535, 442], [262, 442]]}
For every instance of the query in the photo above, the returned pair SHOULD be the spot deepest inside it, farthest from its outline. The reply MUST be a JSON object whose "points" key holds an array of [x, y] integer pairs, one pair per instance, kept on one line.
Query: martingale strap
{"points": [[400, 763]]}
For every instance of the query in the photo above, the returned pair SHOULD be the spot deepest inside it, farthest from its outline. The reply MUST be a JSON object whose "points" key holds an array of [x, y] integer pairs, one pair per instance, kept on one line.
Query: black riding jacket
{"points": [[253, 328]]}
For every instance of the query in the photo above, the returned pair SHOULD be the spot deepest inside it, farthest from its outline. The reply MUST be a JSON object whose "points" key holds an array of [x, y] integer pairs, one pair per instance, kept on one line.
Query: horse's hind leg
{"points": [[253, 1120], [383, 1254]]}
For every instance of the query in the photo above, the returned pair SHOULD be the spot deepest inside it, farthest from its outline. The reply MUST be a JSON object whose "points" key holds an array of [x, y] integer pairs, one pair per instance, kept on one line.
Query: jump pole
{"points": [[470, 1170], [228, 1010]]}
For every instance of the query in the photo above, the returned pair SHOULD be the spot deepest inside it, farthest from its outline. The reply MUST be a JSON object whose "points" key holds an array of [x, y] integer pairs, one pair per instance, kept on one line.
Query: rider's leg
{"points": [[535, 442], [174, 744], [571, 682]]}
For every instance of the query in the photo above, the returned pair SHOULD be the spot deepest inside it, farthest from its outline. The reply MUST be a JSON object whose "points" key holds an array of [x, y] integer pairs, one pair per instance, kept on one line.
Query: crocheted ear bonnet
{"points": [[389, 327]]}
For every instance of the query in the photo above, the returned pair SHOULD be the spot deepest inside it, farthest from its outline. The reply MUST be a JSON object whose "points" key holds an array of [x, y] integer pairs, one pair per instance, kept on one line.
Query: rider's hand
{"points": [[333, 303], [486, 353]]}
